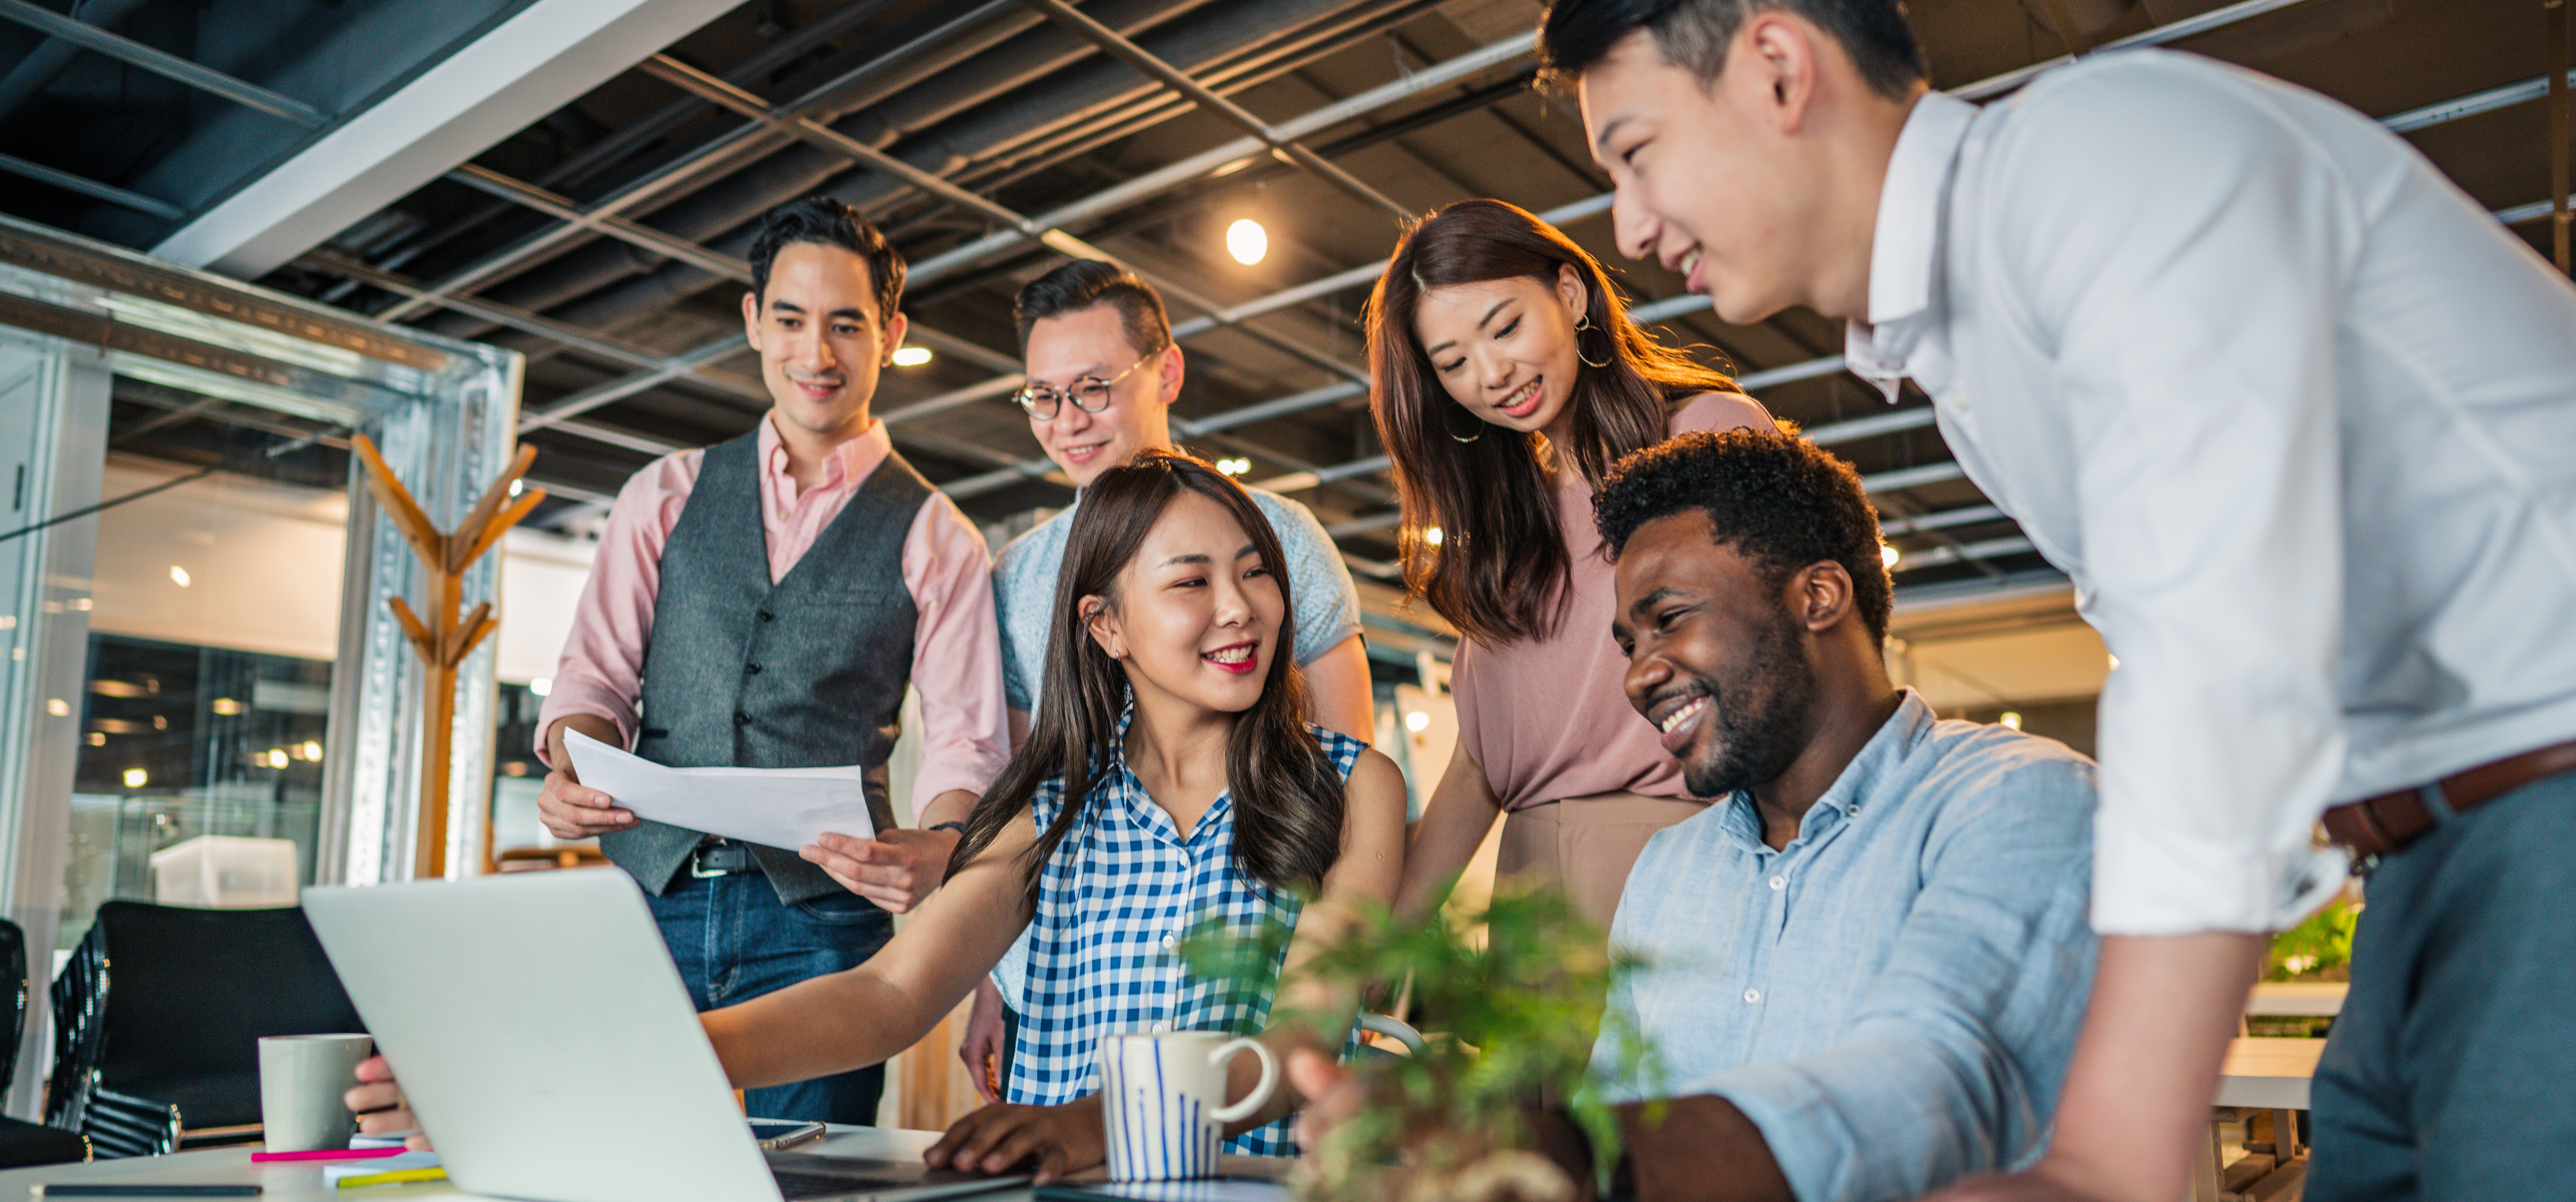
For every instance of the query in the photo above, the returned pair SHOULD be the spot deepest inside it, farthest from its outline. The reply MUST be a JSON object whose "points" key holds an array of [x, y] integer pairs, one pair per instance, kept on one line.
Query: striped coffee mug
{"points": [[1163, 1096]]}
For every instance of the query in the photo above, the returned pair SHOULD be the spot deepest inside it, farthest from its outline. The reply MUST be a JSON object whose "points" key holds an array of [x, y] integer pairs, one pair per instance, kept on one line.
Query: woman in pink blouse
{"points": [[1508, 377]]}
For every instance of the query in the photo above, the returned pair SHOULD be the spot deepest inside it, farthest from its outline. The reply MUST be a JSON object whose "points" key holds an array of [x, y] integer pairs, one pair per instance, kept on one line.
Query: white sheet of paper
{"points": [[777, 807]]}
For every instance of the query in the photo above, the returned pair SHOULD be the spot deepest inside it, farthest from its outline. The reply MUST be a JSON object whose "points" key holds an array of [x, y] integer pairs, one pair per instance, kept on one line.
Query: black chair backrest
{"points": [[191, 991], [13, 961]]}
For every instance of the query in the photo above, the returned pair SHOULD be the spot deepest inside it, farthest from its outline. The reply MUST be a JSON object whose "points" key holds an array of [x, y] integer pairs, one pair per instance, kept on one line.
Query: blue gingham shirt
{"points": [[1893, 997], [1114, 901]]}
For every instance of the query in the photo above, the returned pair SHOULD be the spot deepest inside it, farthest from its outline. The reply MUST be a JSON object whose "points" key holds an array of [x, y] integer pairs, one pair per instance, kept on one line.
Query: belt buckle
{"points": [[700, 871]]}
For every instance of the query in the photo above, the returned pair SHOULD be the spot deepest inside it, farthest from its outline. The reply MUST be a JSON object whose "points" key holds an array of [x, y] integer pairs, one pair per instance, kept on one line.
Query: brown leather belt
{"points": [[2384, 825]]}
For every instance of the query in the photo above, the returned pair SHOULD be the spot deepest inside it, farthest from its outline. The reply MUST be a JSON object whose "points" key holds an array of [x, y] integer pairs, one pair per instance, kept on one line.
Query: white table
{"points": [[2261, 1074], [301, 1181]]}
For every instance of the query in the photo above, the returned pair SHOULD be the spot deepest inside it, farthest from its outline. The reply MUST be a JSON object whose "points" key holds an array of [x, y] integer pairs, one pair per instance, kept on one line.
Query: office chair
{"points": [[164, 1054], [23, 1143]]}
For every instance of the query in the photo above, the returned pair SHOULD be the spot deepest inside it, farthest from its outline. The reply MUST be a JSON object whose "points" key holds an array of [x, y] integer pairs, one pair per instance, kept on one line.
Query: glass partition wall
{"points": [[204, 699]]}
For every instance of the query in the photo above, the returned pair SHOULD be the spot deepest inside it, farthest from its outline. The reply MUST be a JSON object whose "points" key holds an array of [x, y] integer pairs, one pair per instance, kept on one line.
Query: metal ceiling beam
{"points": [[2471, 105], [1116, 45], [91, 188], [539, 60], [2173, 31], [162, 63], [1137, 189]]}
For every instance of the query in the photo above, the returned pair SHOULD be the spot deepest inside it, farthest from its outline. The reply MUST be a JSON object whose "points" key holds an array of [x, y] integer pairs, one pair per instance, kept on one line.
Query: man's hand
{"points": [[982, 1048], [1061, 1140], [379, 1105], [895, 870], [572, 810], [568, 810]]}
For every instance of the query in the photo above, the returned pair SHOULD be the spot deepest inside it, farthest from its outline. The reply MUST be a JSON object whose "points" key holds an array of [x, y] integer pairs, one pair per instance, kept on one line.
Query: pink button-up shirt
{"points": [[956, 652]]}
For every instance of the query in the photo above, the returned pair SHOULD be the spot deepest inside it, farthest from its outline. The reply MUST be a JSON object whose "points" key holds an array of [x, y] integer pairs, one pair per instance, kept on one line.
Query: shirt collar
{"points": [[848, 465], [1904, 251], [1854, 790]]}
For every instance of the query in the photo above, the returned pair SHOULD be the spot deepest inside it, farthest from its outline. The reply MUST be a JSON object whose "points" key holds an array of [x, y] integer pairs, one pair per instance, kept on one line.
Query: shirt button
{"points": [[742, 719], [1159, 1028], [1778, 883], [1169, 943], [1752, 997], [754, 669], [767, 616]]}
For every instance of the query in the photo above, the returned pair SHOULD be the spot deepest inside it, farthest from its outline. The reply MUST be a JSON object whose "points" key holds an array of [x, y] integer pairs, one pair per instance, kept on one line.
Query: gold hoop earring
{"points": [[1583, 325], [1453, 433]]}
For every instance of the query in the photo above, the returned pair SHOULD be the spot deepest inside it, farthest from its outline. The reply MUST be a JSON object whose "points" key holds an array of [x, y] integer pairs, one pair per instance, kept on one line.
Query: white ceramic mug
{"points": [[302, 1079], [1163, 1097]]}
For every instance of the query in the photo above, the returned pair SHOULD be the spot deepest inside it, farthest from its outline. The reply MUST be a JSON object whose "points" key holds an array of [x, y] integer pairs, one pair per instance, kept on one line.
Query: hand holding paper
{"points": [[776, 807]]}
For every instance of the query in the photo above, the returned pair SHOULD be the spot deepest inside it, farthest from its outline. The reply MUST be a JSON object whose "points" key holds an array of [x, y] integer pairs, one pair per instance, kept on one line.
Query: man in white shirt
{"points": [[2300, 420]]}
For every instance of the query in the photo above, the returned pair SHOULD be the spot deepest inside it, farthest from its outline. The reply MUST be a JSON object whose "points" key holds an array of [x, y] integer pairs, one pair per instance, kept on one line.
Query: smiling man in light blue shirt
{"points": [[1867, 962]]}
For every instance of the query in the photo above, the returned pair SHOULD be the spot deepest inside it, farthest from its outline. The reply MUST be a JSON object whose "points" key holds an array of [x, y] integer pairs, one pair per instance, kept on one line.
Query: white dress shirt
{"points": [[2296, 414]]}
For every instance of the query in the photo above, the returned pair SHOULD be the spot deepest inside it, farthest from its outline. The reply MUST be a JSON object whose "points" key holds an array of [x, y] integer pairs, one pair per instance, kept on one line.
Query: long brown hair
{"points": [[1287, 793], [1501, 571]]}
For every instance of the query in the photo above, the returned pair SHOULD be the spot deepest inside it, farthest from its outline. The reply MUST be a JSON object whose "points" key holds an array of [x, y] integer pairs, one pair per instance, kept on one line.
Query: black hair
{"points": [[1576, 35], [825, 221], [1779, 500], [1079, 285]]}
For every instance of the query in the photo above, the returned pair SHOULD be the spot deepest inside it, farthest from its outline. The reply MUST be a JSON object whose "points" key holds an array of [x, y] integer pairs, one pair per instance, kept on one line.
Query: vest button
{"points": [[754, 669], [767, 616]]}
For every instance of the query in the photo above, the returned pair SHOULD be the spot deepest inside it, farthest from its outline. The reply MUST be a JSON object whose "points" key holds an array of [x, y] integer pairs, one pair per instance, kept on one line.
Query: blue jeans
{"points": [[735, 941], [2451, 1073]]}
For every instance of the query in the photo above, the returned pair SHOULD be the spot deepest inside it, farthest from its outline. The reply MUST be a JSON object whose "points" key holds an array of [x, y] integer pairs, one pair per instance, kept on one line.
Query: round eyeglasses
{"points": [[1088, 393]]}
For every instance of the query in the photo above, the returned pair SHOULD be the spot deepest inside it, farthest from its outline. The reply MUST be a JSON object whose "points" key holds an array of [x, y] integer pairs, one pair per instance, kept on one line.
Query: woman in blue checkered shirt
{"points": [[1170, 778]]}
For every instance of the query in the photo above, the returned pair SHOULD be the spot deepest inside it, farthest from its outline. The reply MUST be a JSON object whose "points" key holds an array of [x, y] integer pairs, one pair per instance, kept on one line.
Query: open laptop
{"points": [[542, 1035]]}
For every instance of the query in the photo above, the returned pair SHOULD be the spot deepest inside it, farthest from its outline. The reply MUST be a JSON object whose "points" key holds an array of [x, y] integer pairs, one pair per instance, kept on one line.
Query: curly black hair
{"points": [[828, 222], [1779, 500]]}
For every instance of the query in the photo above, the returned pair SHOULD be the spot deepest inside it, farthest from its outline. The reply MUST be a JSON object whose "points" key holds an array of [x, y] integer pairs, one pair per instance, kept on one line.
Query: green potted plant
{"points": [[1511, 1024]]}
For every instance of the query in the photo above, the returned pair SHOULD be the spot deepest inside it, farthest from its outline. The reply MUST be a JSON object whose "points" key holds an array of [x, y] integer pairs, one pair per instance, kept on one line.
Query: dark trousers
{"points": [[735, 941], [2451, 1073]]}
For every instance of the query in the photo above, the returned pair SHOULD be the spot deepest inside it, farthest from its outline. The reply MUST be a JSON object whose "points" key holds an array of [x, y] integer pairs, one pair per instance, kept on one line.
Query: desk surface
{"points": [[302, 1181], [2297, 997]]}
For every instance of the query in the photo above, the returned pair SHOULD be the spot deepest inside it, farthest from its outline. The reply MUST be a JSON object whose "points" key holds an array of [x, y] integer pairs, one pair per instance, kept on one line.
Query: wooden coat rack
{"points": [[444, 640]]}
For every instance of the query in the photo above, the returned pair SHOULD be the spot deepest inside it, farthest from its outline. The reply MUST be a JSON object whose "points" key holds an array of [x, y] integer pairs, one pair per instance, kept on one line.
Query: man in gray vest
{"points": [[763, 604]]}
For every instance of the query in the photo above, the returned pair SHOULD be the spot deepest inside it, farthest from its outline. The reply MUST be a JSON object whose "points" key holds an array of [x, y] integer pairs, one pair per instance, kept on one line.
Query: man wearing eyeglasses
{"points": [[1103, 372]]}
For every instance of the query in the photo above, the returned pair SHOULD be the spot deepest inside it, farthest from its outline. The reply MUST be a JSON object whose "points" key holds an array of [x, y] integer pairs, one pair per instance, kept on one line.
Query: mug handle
{"points": [[1260, 1093]]}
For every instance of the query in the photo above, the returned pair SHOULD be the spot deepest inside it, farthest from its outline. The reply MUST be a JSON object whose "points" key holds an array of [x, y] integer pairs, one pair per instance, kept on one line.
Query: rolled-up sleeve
{"points": [[1954, 1057], [2194, 318], [601, 670], [956, 653]]}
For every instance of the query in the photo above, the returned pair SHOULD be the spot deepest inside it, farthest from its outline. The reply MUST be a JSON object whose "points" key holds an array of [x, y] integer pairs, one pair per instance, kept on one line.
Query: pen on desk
{"points": [[397, 1177], [145, 1189]]}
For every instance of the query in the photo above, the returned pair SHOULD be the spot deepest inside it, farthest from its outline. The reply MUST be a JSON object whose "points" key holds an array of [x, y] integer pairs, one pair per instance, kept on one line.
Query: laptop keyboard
{"points": [[796, 1185]]}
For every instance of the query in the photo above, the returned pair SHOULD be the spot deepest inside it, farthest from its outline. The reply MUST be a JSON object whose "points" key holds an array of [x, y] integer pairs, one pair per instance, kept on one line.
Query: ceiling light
{"points": [[911, 356], [136, 778], [179, 576], [1431, 535], [1889, 555], [517, 487], [226, 707], [312, 751], [97, 739], [542, 685], [1417, 721], [276, 757], [2010, 718], [1234, 467], [1247, 241]]}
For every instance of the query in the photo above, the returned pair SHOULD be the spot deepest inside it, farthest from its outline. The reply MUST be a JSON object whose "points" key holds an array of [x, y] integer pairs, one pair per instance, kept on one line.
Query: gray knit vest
{"points": [[806, 673]]}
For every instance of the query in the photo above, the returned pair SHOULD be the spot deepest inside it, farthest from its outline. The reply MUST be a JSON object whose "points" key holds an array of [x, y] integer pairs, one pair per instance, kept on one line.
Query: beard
{"points": [[1757, 729]]}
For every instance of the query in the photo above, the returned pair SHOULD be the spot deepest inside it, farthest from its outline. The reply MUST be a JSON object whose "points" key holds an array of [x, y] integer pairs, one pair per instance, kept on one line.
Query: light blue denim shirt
{"points": [[1892, 998]]}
